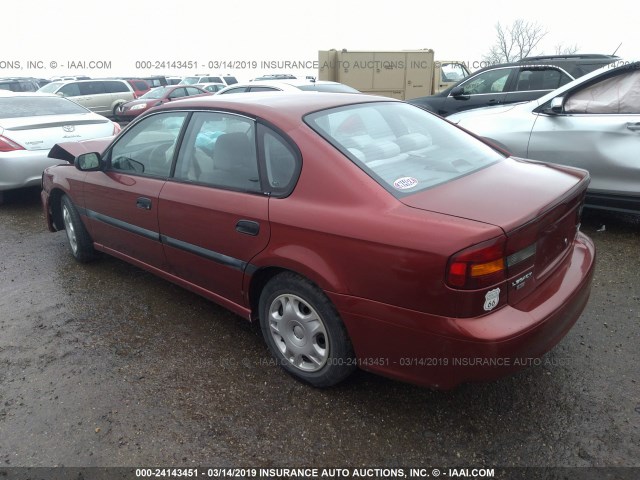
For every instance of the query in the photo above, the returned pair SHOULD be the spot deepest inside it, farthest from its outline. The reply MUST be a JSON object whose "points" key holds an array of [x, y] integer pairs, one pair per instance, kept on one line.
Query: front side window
{"points": [[194, 91], [453, 72], [402, 147], [619, 94], [148, 147], [492, 81], [70, 90], [219, 149], [178, 93]]}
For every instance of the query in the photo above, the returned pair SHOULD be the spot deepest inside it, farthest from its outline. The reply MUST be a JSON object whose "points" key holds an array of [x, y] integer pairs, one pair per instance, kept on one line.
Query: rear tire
{"points": [[304, 331], [79, 241]]}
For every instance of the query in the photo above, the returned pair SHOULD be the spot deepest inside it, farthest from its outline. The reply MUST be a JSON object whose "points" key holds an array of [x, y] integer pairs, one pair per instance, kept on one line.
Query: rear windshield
{"points": [[157, 92], [402, 147], [15, 107]]}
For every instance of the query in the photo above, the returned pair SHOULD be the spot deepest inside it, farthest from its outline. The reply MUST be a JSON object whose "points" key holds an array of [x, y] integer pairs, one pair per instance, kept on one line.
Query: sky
{"points": [[70, 37]]}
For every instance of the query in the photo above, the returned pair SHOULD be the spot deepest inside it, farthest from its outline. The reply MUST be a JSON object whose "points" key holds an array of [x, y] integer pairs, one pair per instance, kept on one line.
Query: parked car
{"points": [[211, 87], [288, 86], [591, 123], [226, 79], [19, 84], [156, 81], [157, 96], [99, 96], [30, 125], [173, 80], [138, 85], [507, 83], [274, 76], [358, 230]]}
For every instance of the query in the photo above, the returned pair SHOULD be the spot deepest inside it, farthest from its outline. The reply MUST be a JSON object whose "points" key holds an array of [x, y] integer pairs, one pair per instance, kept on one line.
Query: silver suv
{"points": [[99, 96]]}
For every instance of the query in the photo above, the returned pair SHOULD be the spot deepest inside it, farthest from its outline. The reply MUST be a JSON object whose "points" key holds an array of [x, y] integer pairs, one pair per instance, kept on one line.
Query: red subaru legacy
{"points": [[359, 231]]}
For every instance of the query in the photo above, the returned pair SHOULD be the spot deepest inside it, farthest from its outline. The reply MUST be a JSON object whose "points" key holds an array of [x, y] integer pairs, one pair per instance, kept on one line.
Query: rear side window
{"points": [[229, 80], [116, 87], [282, 162], [219, 149]]}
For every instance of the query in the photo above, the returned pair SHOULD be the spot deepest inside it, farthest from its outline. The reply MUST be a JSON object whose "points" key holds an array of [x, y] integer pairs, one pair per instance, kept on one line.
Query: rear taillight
{"points": [[116, 128], [7, 145], [480, 266]]}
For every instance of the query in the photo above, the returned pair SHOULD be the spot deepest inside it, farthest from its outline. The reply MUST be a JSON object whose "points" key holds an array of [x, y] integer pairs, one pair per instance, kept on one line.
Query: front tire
{"points": [[79, 241], [304, 331]]}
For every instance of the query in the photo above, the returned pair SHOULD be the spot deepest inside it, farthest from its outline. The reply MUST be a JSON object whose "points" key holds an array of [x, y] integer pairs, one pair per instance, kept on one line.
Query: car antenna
{"points": [[614, 52]]}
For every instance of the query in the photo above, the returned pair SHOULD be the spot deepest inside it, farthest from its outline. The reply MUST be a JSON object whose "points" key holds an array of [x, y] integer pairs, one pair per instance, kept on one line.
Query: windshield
{"points": [[19, 106], [155, 93], [402, 147], [50, 87]]}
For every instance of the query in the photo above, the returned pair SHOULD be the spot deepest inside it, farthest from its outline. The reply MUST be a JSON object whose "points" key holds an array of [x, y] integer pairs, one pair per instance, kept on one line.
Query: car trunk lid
{"points": [[41, 133], [537, 205]]}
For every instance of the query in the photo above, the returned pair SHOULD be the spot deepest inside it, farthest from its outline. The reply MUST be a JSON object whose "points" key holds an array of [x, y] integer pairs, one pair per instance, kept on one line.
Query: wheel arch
{"points": [[55, 204]]}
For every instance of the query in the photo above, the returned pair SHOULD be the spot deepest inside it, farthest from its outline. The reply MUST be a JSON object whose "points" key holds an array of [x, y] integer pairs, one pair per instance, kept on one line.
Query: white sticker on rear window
{"points": [[405, 183]]}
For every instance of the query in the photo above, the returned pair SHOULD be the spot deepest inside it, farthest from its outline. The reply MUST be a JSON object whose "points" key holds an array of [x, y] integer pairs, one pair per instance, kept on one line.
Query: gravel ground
{"points": [[106, 365]]}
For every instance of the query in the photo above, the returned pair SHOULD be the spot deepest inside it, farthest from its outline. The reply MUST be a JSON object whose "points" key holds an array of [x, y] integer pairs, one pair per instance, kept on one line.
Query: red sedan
{"points": [[359, 231], [157, 96]]}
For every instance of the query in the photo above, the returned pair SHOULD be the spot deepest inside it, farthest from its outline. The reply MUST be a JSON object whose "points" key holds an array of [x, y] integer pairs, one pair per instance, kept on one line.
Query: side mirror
{"points": [[88, 162], [458, 93], [556, 107]]}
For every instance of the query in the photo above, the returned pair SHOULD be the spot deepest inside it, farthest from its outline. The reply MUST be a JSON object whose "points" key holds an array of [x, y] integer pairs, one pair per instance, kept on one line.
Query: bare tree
{"points": [[515, 42], [562, 50]]}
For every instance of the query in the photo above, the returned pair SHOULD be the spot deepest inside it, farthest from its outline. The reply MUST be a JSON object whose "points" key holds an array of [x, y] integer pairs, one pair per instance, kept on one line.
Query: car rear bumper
{"points": [[23, 168], [443, 352]]}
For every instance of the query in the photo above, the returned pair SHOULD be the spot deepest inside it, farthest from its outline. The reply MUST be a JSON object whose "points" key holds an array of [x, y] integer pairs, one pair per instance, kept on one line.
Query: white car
{"points": [[292, 85], [591, 123], [31, 124]]}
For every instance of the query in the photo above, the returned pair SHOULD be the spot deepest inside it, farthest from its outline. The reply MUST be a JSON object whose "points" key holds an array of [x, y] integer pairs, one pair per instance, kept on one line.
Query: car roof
{"points": [[286, 109], [293, 82]]}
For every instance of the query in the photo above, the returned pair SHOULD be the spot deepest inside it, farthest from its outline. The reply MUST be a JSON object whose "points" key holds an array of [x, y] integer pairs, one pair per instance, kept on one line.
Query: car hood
{"points": [[486, 111], [143, 101], [507, 194], [70, 150]]}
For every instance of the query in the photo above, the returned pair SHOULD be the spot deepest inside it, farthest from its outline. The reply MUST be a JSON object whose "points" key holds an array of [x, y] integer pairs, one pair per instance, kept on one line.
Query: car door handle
{"points": [[143, 203], [634, 127], [248, 227]]}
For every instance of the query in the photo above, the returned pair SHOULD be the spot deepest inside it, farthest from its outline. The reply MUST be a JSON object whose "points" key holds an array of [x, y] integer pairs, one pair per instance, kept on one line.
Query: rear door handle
{"points": [[248, 227], [634, 127], [144, 203]]}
